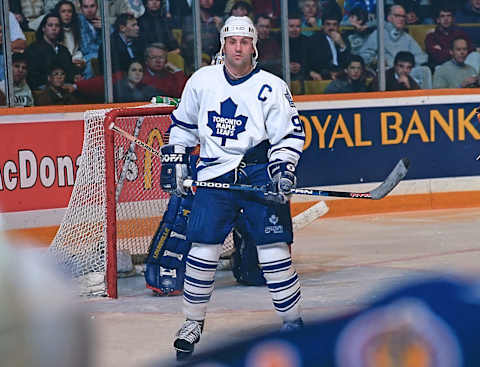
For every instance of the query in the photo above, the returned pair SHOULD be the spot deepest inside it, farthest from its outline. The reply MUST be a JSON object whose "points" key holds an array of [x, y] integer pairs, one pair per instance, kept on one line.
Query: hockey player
{"points": [[249, 133]]}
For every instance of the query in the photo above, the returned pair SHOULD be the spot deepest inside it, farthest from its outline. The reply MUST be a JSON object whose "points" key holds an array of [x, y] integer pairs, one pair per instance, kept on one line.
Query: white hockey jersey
{"points": [[227, 117]]}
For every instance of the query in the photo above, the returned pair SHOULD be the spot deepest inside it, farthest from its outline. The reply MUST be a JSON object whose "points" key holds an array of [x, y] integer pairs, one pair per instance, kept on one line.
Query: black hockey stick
{"points": [[379, 192]]}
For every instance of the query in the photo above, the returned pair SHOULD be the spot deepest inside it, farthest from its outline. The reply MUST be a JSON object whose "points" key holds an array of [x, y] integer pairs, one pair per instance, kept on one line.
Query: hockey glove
{"points": [[174, 169], [282, 175]]}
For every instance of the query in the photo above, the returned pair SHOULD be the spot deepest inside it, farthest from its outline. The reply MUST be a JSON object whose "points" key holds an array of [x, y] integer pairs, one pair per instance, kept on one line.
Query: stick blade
{"points": [[397, 174], [310, 215]]}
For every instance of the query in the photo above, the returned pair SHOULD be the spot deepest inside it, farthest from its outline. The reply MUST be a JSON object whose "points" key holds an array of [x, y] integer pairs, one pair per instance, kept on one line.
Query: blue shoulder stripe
{"points": [[293, 136], [183, 124]]}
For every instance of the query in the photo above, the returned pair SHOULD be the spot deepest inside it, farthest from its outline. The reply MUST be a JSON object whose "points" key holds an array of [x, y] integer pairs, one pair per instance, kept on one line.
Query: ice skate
{"points": [[187, 337], [292, 325]]}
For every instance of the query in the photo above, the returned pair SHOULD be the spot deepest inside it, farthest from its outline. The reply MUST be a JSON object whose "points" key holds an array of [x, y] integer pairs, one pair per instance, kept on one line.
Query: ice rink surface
{"points": [[344, 263]]}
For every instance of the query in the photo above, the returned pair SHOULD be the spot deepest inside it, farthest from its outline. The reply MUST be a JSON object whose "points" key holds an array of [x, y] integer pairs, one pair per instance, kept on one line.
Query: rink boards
{"points": [[351, 144]]}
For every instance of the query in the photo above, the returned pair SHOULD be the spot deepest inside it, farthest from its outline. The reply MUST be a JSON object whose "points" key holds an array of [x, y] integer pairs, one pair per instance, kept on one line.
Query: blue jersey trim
{"points": [[184, 124], [287, 148], [292, 136], [208, 160], [242, 79]]}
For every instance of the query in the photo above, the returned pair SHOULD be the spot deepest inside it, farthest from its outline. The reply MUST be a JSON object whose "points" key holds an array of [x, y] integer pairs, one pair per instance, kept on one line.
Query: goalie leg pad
{"points": [[167, 255], [245, 266]]}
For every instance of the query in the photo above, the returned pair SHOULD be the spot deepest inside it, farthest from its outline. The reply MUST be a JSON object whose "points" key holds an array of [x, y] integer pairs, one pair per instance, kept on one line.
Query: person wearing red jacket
{"points": [[438, 43], [168, 80], [161, 75]]}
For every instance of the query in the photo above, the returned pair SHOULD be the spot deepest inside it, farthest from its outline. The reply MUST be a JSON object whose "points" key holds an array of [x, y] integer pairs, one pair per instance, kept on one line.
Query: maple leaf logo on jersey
{"points": [[226, 125]]}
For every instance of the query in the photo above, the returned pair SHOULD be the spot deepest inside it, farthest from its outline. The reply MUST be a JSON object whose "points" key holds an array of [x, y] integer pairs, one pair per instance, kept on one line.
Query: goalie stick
{"points": [[379, 192]]}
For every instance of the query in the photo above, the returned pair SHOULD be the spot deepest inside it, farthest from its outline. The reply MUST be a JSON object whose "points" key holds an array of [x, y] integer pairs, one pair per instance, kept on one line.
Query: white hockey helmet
{"points": [[239, 26]]}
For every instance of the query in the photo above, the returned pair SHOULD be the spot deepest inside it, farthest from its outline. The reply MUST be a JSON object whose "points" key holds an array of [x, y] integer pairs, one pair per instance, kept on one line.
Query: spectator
{"points": [[269, 48], [55, 93], [351, 80], [91, 34], [398, 77], [210, 25], [455, 73], [160, 75], [470, 12], [130, 88], [154, 26], [438, 43], [16, 8], [330, 52], [413, 13], [396, 39], [299, 49], [133, 7], [416, 9], [22, 92], [369, 6], [71, 31], [18, 42], [270, 7], [357, 36], [31, 10], [47, 50], [3, 98], [240, 9], [310, 17], [124, 43], [17, 38], [179, 10]]}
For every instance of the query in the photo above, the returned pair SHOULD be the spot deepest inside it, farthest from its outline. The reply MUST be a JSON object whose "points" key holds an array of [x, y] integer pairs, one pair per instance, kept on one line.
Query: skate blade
{"points": [[183, 354]]}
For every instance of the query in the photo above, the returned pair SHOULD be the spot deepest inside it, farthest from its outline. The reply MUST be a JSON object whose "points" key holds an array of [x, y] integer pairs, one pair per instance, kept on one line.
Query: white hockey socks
{"points": [[282, 279], [202, 263]]}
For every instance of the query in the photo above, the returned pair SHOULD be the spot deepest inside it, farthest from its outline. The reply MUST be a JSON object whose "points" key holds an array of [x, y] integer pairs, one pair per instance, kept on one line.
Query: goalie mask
{"points": [[238, 26]]}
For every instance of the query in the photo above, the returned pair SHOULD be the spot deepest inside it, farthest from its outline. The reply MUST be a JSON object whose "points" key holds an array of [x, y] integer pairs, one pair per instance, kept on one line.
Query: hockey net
{"points": [[116, 203]]}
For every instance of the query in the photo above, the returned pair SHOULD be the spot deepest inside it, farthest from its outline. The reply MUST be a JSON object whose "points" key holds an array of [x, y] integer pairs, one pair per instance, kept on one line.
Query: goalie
{"points": [[249, 133]]}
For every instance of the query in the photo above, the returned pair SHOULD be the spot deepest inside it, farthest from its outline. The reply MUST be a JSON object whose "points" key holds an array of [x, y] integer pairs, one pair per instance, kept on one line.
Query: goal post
{"points": [[117, 202], [111, 184]]}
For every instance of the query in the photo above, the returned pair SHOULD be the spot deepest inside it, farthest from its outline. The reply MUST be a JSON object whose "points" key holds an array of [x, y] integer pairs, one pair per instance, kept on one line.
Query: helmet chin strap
{"points": [[236, 75]]}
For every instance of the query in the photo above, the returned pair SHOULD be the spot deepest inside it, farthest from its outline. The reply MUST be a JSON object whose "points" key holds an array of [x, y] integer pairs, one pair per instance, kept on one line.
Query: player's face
{"points": [[135, 73], [354, 70], [460, 51], [89, 8], [238, 52], [403, 68]]}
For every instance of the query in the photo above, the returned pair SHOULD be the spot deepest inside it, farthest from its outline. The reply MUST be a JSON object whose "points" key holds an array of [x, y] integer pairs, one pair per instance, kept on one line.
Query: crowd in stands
{"points": [[58, 52]]}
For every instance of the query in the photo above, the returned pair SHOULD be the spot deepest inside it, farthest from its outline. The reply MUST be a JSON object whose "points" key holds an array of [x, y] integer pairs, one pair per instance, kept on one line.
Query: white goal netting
{"points": [[82, 242]]}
